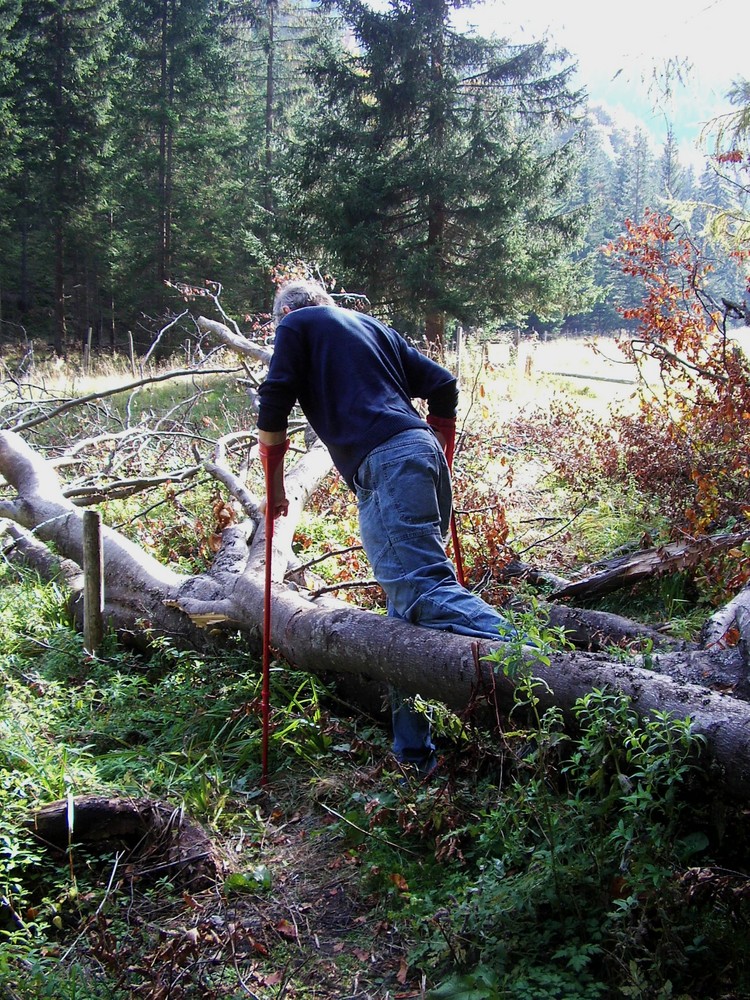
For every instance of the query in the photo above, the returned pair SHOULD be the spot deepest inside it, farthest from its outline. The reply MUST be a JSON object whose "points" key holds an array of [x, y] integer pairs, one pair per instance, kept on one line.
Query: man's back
{"points": [[354, 378]]}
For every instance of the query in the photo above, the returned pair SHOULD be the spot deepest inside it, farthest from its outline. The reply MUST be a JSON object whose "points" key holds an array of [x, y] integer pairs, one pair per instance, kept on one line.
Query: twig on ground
{"points": [[326, 555], [368, 833], [349, 585], [25, 425]]}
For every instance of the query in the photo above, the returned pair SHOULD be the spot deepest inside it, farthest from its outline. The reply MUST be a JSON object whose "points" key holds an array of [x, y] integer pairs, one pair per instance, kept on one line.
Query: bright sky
{"points": [[619, 47]]}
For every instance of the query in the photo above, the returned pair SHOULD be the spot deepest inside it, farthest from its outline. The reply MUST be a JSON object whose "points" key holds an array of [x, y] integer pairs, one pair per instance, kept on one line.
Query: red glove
{"points": [[446, 428], [272, 457]]}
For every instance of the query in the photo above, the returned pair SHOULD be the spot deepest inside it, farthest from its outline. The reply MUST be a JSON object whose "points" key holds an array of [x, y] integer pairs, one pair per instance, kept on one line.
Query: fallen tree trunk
{"points": [[143, 598], [624, 571]]}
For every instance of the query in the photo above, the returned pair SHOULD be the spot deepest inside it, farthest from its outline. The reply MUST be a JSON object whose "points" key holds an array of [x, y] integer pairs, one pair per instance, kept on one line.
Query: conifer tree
{"points": [[432, 167], [673, 176], [184, 188], [273, 90], [10, 47], [59, 104], [635, 189], [593, 191]]}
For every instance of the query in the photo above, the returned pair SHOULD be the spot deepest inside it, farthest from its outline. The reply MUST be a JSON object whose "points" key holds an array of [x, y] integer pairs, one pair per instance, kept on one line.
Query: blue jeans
{"points": [[404, 500]]}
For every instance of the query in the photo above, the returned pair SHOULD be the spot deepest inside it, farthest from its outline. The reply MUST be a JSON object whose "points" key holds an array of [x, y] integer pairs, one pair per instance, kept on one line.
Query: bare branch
{"points": [[325, 556], [219, 469], [160, 334], [236, 341], [348, 585], [85, 495], [21, 544], [193, 292]]}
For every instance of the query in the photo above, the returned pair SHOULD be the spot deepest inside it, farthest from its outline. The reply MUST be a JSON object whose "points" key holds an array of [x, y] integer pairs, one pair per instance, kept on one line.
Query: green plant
{"points": [[530, 641], [560, 880], [529, 647]]}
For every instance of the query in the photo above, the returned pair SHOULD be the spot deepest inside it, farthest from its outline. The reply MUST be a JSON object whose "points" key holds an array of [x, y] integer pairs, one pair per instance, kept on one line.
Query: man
{"points": [[355, 380]]}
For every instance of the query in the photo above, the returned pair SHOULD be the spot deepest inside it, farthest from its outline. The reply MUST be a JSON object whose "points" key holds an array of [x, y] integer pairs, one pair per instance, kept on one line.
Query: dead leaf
{"points": [[399, 881], [272, 979], [287, 929], [403, 971]]}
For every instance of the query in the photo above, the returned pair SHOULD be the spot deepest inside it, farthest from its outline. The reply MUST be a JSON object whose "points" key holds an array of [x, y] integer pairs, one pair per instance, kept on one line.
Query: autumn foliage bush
{"points": [[482, 475], [702, 411], [688, 443]]}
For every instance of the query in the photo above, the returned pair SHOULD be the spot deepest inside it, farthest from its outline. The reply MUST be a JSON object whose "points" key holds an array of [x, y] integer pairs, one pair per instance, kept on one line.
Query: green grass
{"points": [[541, 865]]}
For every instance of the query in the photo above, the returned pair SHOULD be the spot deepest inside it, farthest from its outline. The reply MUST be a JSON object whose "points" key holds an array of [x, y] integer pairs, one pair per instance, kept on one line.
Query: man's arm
{"points": [[276, 397]]}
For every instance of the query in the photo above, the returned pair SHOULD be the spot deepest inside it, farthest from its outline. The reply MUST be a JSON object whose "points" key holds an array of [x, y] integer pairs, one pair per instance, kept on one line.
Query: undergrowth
{"points": [[542, 861], [568, 864]]}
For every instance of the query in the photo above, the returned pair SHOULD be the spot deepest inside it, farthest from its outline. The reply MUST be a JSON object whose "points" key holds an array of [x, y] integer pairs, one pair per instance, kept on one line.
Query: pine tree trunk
{"points": [[166, 89], [60, 143], [268, 198], [435, 331]]}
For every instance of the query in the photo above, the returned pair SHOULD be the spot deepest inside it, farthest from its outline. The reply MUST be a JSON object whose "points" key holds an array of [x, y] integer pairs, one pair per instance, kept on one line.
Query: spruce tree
{"points": [[593, 192], [635, 188], [59, 101], [673, 176], [182, 187], [432, 168], [275, 88], [10, 138], [10, 48]]}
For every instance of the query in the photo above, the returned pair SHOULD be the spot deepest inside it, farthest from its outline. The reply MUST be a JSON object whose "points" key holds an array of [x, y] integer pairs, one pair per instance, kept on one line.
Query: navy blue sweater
{"points": [[354, 378]]}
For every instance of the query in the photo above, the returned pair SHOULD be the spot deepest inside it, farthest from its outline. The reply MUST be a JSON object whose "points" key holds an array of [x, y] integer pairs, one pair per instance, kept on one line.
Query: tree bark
{"points": [[145, 598], [238, 343], [735, 615], [626, 570], [93, 582]]}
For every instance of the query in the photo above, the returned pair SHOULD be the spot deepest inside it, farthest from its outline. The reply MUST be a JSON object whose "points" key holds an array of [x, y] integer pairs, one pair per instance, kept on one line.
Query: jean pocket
{"points": [[361, 492], [411, 487]]}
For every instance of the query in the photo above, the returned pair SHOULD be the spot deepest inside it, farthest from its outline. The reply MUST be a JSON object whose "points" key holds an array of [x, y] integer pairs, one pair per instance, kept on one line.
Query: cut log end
{"points": [[159, 840]]}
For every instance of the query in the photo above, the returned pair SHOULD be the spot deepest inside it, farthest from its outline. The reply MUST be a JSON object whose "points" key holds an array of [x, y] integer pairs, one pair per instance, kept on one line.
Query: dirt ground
{"points": [[284, 913]]}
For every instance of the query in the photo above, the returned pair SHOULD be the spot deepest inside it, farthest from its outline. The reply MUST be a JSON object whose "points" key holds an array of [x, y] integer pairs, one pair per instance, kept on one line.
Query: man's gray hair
{"points": [[298, 294]]}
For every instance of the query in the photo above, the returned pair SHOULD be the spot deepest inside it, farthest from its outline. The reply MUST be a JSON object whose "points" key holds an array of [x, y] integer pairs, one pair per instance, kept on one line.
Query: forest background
{"points": [[448, 177]]}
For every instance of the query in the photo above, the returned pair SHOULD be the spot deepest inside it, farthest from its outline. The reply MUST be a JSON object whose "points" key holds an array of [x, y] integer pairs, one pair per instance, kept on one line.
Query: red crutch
{"points": [[272, 456], [457, 554], [447, 427]]}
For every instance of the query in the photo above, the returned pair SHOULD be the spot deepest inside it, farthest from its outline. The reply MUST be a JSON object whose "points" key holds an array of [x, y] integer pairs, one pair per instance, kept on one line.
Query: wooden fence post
{"points": [[93, 582], [131, 352]]}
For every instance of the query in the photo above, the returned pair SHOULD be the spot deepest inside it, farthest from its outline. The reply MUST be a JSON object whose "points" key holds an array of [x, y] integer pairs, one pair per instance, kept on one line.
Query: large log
{"points": [[326, 636]]}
